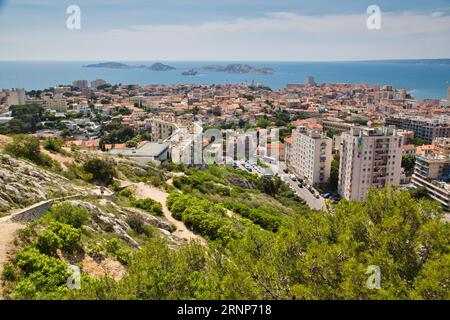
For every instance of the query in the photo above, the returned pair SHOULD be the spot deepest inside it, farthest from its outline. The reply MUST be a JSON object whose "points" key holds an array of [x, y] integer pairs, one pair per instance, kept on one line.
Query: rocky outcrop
{"points": [[22, 184], [106, 222]]}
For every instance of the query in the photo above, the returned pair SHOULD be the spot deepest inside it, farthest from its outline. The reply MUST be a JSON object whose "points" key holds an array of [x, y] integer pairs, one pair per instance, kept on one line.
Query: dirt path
{"points": [[8, 232], [145, 191]]}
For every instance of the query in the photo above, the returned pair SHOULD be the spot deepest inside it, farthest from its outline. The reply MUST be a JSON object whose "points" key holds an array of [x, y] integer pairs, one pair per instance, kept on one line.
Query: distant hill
{"points": [[118, 65]]}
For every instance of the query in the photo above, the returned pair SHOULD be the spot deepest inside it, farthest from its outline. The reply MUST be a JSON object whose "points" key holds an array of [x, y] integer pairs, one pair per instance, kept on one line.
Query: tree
{"points": [[102, 171], [26, 119], [263, 123], [334, 174], [217, 111], [408, 162]]}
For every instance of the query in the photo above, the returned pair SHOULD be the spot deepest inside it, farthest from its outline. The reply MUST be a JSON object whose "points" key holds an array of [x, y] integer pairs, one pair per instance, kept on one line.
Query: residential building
{"points": [[97, 83], [369, 157], [16, 97], [442, 145], [81, 84], [424, 128], [309, 81], [336, 124], [311, 155], [147, 152], [287, 150], [59, 105], [432, 172]]}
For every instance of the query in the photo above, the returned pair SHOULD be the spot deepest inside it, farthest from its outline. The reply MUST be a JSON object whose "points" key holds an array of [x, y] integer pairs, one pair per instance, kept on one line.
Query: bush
{"points": [[260, 216], [28, 147], [127, 193], [69, 214], [101, 170], [203, 216], [58, 236], [70, 236], [40, 274], [149, 205], [112, 245], [48, 242], [54, 144], [9, 272], [156, 181], [138, 225]]}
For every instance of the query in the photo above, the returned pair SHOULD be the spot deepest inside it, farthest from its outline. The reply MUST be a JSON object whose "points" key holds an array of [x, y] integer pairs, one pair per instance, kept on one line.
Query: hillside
{"points": [[173, 232]]}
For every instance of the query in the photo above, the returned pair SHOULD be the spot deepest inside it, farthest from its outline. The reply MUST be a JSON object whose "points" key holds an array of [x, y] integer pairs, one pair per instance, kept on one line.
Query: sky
{"points": [[224, 30]]}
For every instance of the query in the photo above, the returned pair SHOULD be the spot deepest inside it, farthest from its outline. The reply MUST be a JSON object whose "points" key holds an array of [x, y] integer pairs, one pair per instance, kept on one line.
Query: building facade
{"points": [[311, 155], [425, 129], [368, 157], [16, 97], [433, 173]]}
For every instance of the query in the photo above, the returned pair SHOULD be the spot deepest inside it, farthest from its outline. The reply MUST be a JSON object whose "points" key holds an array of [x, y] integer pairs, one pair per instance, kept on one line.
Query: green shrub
{"points": [[9, 272], [101, 170], [203, 216], [149, 205], [58, 236], [54, 144], [126, 193], [28, 147], [70, 236], [48, 242], [112, 245], [69, 214], [40, 273]]}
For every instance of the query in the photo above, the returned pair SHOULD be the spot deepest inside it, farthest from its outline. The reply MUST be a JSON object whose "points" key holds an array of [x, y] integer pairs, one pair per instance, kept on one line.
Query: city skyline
{"points": [[253, 31]]}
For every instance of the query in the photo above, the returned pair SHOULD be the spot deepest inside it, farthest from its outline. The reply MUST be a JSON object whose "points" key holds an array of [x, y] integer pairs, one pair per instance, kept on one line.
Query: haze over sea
{"points": [[422, 78]]}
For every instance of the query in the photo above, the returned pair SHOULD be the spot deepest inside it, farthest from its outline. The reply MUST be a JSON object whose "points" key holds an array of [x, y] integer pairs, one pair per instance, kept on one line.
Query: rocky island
{"points": [[190, 72], [238, 68], [118, 65]]}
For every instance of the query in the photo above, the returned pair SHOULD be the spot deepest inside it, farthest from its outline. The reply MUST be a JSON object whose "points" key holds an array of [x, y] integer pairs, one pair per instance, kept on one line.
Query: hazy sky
{"points": [[166, 30]]}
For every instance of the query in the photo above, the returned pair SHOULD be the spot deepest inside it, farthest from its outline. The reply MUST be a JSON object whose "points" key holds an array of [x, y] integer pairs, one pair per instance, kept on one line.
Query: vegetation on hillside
{"points": [[315, 255]]}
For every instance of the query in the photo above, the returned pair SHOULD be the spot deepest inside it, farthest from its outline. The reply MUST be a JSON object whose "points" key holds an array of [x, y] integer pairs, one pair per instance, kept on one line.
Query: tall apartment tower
{"points": [[16, 97], [311, 155], [81, 84], [369, 157], [309, 81], [97, 83]]}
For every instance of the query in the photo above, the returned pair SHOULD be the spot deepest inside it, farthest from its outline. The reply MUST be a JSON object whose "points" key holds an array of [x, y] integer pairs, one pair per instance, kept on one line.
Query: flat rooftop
{"points": [[149, 149]]}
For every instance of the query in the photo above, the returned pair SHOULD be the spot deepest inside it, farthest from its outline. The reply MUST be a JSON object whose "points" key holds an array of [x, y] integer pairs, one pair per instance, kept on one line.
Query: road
{"points": [[305, 194]]}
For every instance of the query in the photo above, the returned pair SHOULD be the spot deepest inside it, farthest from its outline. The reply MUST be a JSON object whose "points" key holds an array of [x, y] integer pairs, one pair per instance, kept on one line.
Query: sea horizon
{"points": [[423, 78]]}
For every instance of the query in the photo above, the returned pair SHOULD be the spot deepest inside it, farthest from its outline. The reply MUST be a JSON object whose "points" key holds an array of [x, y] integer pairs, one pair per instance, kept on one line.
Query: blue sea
{"points": [[422, 79]]}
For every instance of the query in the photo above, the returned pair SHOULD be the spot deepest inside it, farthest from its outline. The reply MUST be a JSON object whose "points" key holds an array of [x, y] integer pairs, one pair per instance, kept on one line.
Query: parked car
{"points": [[300, 185]]}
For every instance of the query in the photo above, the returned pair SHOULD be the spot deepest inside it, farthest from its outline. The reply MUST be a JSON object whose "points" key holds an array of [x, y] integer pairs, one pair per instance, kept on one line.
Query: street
{"points": [[304, 193]]}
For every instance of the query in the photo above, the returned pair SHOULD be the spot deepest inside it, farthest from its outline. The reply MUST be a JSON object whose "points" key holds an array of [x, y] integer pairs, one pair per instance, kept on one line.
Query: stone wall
{"points": [[36, 211]]}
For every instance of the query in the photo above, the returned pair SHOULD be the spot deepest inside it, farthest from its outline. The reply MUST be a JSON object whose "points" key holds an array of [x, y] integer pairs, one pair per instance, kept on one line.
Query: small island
{"points": [[190, 72], [118, 65], [238, 68]]}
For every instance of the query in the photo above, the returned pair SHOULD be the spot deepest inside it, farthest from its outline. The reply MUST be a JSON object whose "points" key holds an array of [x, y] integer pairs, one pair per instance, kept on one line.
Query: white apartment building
{"points": [[97, 83], [433, 173], [369, 157], [16, 97], [311, 155]]}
